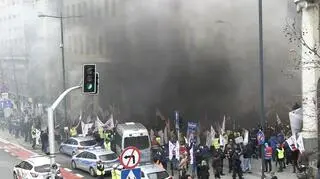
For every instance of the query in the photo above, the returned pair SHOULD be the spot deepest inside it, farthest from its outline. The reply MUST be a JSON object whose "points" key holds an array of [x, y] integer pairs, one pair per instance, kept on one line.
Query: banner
{"points": [[239, 140], [278, 119], [295, 121], [109, 123], [300, 145], [223, 126], [85, 128], [246, 137], [292, 142], [192, 131]]}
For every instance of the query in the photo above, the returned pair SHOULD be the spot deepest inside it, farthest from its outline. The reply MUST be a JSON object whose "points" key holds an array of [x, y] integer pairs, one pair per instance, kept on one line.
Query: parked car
{"points": [[87, 160], [152, 171], [34, 168], [74, 144]]}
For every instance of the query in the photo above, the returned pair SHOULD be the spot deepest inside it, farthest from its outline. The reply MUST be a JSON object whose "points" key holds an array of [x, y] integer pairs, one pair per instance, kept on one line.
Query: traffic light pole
{"points": [[51, 127]]}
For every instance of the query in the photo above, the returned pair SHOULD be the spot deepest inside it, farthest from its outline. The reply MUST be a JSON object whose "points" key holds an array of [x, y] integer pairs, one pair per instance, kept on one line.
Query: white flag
{"points": [[171, 149], [85, 128], [161, 135], [300, 145], [278, 119], [165, 135], [208, 140], [295, 121], [98, 124], [177, 150], [223, 126], [246, 137], [222, 142], [109, 123], [292, 142], [213, 133]]}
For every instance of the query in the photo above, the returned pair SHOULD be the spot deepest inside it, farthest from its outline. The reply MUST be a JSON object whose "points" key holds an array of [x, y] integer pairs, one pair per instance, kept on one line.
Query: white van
{"points": [[133, 134]]}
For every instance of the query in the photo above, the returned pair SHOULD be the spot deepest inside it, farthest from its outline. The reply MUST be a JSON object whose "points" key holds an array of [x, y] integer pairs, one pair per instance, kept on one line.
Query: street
{"points": [[9, 149], [7, 163]]}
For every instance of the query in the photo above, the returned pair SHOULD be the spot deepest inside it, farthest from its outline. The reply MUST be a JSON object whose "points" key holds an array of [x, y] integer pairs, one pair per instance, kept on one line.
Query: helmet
{"points": [[114, 166], [120, 167]]}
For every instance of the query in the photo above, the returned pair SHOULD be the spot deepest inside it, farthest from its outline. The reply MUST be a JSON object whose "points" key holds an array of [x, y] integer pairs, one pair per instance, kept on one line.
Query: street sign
{"points": [[260, 137], [130, 157], [131, 174]]}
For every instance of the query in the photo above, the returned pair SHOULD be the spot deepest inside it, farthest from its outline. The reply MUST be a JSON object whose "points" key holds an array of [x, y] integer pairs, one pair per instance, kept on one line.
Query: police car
{"points": [[74, 144], [34, 168], [87, 160], [152, 171]]}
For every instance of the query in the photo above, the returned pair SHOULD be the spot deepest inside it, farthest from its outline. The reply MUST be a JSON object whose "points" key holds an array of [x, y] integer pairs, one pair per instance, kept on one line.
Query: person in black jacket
{"points": [[216, 164], [247, 154], [204, 170], [236, 164]]}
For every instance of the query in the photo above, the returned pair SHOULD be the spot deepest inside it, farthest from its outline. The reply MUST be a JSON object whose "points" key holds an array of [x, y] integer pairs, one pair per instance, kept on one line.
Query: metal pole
{"points": [[51, 127], [262, 118], [63, 63]]}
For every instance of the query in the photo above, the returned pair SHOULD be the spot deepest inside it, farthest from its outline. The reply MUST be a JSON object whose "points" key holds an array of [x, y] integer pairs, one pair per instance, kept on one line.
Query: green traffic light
{"points": [[89, 86]]}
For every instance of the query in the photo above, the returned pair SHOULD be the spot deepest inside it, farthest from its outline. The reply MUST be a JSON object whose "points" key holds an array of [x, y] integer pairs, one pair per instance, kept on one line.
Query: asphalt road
{"points": [[7, 162]]}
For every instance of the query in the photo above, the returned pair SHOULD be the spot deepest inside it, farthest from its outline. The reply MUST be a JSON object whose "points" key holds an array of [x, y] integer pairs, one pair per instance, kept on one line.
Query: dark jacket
{"points": [[204, 172]]}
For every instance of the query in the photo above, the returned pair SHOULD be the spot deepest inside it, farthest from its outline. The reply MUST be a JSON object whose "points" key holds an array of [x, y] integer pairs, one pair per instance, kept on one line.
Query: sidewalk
{"points": [[20, 141]]}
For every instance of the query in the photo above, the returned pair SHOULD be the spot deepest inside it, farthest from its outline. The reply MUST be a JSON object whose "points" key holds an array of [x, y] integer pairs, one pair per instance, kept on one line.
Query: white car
{"points": [[34, 168], [152, 171]]}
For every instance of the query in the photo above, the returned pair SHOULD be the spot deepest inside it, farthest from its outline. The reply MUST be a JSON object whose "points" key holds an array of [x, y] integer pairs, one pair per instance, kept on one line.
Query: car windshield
{"points": [[158, 175], [141, 142], [88, 143], [108, 157], [42, 168]]}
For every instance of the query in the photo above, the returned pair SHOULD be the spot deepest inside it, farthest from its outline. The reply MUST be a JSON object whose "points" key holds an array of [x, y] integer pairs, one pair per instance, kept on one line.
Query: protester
{"points": [[280, 157], [204, 170], [236, 163], [267, 158]]}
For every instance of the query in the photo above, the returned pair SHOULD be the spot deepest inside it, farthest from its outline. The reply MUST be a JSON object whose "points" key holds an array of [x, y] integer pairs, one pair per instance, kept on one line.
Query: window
{"points": [[84, 8], [75, 44], [108, 157], [79, 10], [82, 155], [118, 140], [158, 175], [73, 12], [42, 168], [88, 143], [67, 11], [141, 142], [88, 45], [80, 45], [100, 45], [27, 166], [91, 156], [73, 142]]}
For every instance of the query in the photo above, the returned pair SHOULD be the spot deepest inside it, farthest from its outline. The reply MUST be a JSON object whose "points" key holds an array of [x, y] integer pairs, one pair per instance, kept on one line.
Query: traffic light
{"points": [[89, 78]]}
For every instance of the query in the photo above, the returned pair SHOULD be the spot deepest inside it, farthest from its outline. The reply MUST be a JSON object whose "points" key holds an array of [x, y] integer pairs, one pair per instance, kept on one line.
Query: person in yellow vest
{"points": [[100, 131], [216, 143], [107, 144], [280, 157], [158, 139], [114, 171], [100, 170], [73, 130], [118, 171]]}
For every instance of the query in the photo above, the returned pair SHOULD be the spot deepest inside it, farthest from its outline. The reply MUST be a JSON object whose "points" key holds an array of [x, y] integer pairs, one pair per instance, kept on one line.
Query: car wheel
{"points": [[15, 175], [92, 172]]}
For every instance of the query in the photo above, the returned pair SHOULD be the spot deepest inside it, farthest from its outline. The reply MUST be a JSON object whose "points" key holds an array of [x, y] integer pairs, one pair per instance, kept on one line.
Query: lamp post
{"points": [[61, 17], [262, 117]]}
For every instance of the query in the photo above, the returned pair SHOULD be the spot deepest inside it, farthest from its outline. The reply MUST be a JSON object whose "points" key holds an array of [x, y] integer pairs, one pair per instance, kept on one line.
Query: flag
{"points": [[85, 128], [223, 126], [109, 123], [165, 135], [291, 141], [98, 123], [246, 137], [208, 140], [300, 145], [278, 119], [295, 117]]}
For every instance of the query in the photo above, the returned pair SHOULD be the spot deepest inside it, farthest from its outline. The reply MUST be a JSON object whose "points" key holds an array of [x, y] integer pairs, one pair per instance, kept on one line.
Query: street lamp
{"points": [[262, 117], [62, 53]]}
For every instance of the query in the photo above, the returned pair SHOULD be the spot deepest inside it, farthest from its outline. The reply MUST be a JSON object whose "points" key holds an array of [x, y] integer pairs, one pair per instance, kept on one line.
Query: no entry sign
{"points": [[130, 157]]}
